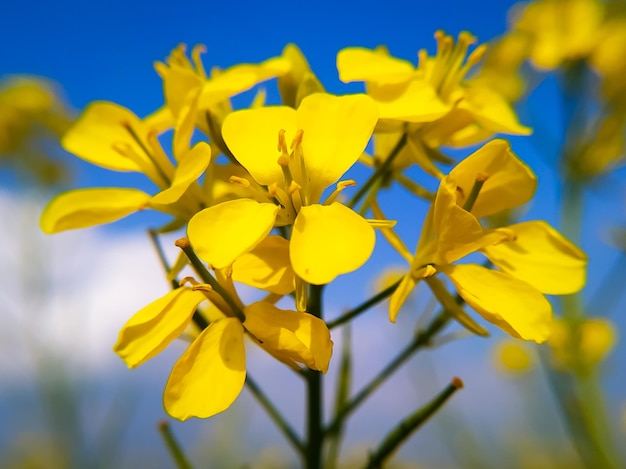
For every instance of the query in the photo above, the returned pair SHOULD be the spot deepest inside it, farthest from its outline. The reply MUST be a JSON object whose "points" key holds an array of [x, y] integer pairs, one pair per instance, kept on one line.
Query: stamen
{"points": [[239, 180], [196, 52], [341, 185], [153, 171]]}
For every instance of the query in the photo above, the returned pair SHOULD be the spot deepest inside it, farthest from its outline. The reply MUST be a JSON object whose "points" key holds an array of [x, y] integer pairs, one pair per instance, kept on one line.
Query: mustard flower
{"points": [[327, 134], [210, 374], [531, 257]]}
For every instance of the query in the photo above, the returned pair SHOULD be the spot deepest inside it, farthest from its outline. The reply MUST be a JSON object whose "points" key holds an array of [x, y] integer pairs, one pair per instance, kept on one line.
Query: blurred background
{"points": [[66, 401]]}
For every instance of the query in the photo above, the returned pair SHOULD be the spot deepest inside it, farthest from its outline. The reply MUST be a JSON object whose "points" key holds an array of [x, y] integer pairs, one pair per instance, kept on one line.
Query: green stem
{"points": [[364, 306], [380, 172], [315, 433], [275, 415], [206, 277], [421, 339], [407, 426], [172, 445]]}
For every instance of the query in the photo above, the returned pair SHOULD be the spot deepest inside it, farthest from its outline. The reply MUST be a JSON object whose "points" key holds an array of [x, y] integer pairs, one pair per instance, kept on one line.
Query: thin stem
{"points": [[380, 172], [421, 339], [315, 433], [364, 306], [275, 415], [206, 277], [172, 445], [407, 426]]}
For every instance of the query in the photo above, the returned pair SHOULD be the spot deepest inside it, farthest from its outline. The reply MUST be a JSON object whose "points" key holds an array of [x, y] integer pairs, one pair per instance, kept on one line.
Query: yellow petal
{"points": [[360, 64], [100, 129], [221, 233], [336, 132], [510, 182], [400, 295], [540, 256], [209, 376], [151, 329], [327, 241], [190, 168], [491, 111], [252, 136], [293, 337], [266, 266], [512, 305], [88, 207], [414, 101]]}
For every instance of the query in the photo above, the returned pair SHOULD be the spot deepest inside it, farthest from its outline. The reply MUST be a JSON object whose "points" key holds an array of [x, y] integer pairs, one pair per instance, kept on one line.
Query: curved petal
{"points": [[221, 233], [336, 130], [292, 337], [510, 182], [101, 128], [360, 64], [327, 241], [540, 256], [415, 101], [266, 266], [492, 111], [82, 208], [512, 305], [188, 171], [151, 329], [252, 136], [399, 296], [209, 376]]}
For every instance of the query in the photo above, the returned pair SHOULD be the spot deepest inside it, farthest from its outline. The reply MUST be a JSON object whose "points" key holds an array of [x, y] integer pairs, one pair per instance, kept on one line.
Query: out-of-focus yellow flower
{"points": [[559, 30], [327, 135], [513, 357], [30, 112], [300, 81], [210, 374], [581, 347], [532, 258]]}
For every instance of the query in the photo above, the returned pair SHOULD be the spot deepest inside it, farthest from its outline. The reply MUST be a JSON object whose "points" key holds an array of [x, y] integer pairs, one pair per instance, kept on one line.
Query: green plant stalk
{"points": [[407, 426], [422, 339], [315, 434], [172, 445], [364, 306], [380, 172]]}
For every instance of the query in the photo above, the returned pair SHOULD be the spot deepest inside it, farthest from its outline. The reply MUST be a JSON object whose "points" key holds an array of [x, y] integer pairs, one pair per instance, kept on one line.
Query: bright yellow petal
{"points": [[151, 329], [266, 266], [400, 295], [209, 376], [293, 337], [540, 256], [189, 170], [512, 305], [252, 136], [491, 111], [100, 130], [336, 132], [510, 182], [359, 64], [327, 241], [415, 101], [221, 233], [82, 208]]}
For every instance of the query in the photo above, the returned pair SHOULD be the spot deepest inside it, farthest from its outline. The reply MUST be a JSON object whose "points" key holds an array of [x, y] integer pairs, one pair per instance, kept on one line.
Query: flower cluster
{"points": [[260, 193]]}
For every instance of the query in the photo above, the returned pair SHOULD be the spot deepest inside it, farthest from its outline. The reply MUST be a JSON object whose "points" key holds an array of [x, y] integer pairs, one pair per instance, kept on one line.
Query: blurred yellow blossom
{"points": [[513, 357]]}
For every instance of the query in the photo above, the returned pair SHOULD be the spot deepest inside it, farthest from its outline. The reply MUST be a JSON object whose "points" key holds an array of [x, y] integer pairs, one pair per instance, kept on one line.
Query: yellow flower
{"points": [[532, 258], [513, 357], [581, 347], [560, 30], [111, 136], [434, 92], [210, 374], [328, 135]]}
